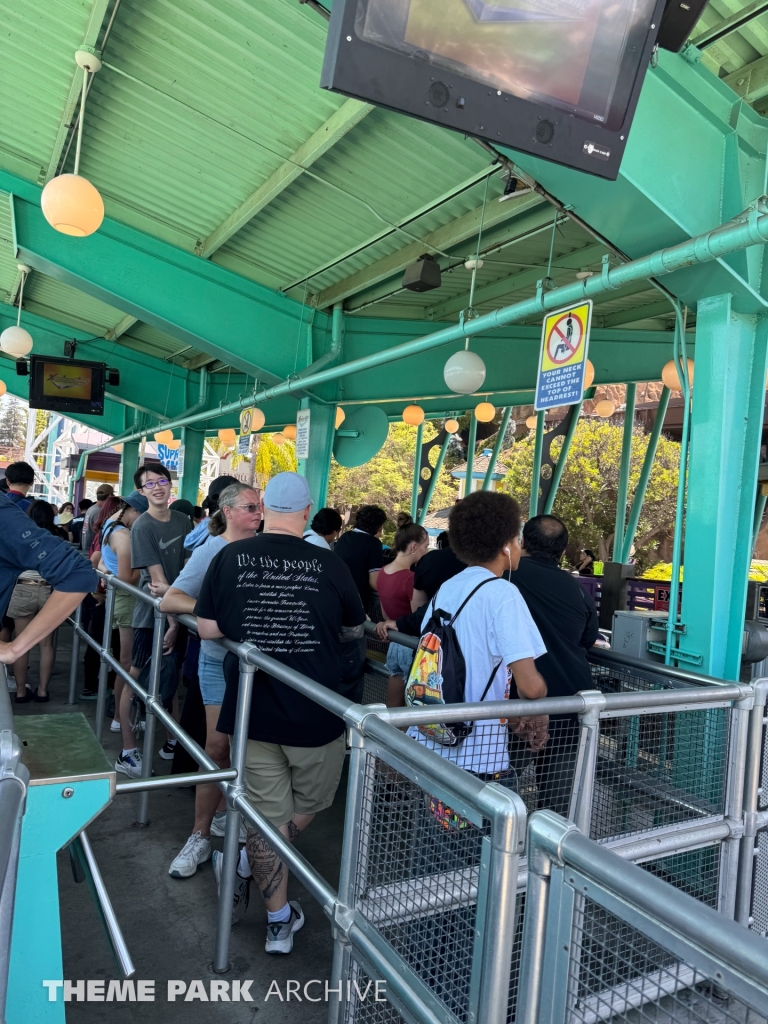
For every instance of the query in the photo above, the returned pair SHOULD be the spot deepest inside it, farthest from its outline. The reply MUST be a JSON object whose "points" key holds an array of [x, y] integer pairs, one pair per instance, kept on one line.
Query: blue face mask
{"points": [[56, 521]]}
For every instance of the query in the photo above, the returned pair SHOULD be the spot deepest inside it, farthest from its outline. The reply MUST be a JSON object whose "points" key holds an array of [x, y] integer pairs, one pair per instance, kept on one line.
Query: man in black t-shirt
{"points": [[291, 600], [362, 551], [435, 569]]}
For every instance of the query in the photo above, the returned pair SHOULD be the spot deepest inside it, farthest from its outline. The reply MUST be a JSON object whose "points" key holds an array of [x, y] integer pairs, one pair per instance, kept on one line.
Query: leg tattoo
{"points": [[266, 866]]}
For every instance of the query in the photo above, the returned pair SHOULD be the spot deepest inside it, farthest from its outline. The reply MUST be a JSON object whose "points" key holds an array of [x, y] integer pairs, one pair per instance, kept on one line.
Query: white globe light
{"points": [[464, 372], [16, 342]]}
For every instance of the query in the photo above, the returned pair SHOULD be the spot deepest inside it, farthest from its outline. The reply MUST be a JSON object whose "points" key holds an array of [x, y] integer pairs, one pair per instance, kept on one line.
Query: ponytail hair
{"points": [[217, 524], [408, 533]]}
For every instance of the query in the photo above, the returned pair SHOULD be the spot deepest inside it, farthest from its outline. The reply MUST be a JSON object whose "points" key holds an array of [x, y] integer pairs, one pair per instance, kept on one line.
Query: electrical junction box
{"points": [[633, 629]]}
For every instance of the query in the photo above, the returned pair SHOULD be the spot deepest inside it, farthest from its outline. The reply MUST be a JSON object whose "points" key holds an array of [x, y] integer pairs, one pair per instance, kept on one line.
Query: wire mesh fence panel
{"points": [[363, 1007], [374, 688], [759, 916], [762, 797], [618, 974], [661, 769], [612, 678], [695, 872]]}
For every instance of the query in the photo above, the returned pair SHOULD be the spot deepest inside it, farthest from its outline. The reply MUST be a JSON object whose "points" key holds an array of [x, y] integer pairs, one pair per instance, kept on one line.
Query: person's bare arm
{"points": [[158, 584], [373, 580], [59, 605], [419, 598], [208, 629], [120, 542], [529, 682], [382, 627], [177, 602]]}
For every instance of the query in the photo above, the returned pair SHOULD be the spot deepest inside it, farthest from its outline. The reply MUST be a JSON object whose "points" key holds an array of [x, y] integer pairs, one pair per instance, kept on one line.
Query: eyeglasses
{"points": [[149, 485], [250, 509]]}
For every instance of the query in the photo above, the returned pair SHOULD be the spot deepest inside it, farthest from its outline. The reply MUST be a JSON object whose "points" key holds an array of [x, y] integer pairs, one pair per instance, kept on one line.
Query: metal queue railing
{"points": [[433, 884]]}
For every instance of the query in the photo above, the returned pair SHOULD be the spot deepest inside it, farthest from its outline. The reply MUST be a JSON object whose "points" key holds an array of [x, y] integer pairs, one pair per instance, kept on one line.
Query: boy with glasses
{"points": [[157, 549]]}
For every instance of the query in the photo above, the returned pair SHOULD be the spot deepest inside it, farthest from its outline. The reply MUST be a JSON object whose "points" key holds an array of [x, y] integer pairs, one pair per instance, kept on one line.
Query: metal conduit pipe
{"points": [[727, 238], [337, 332], [132, 435]]}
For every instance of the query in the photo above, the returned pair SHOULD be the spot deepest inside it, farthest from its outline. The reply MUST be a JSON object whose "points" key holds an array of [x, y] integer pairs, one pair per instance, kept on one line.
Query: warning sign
{"points": [[563, 358]]}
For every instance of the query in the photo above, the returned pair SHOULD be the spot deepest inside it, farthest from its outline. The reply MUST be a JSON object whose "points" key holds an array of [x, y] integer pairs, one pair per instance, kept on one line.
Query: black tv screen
{"points": [[67, 385], [556, 78]]}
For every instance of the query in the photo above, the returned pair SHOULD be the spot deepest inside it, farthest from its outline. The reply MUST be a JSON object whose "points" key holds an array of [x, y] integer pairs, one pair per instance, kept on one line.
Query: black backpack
{"points": [[438, 674]]}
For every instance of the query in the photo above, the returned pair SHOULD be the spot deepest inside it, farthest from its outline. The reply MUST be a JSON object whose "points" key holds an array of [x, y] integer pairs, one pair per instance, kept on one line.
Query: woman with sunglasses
{"points": [[237, 518]]}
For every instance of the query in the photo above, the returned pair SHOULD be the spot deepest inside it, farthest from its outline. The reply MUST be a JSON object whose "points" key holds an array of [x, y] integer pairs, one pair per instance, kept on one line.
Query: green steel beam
{"points": [[562, 459], [471, 445], [631, 316], [120, 328], [529, 208], [506, 414], [645, 475], [327, 135], [624, 469], [433, 480], [416, 471], [751, 81], [533, 501]]}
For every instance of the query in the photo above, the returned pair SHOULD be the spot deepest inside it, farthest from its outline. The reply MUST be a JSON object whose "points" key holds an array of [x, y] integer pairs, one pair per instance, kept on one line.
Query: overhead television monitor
{"points": [[67, 385], [556, 78]]}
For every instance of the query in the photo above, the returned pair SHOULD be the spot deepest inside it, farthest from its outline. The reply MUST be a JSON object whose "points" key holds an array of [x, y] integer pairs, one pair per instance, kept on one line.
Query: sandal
{"points": [[26, 698], [41, 698]]}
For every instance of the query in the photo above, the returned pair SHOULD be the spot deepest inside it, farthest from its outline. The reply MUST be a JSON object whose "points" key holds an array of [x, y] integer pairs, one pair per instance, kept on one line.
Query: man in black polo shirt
{"points": [[291, 600], [566, 618], [362, 551]]}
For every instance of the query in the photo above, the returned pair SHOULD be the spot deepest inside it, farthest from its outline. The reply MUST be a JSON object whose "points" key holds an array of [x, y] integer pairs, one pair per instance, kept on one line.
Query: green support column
{"points": [[189, 483], [533, 503], [645, 475], [416, 471], [471, 445], [317, 468], [626, 462], [728, 400], [497, 447], [129, 462], [562, 459], [434, 479], [762, 498]]}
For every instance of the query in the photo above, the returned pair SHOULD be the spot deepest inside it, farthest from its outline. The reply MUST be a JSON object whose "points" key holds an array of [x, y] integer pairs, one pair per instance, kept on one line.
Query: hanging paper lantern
{"points": [[164, 437], [671, 378], [278, 438], [257, 420], [484, 412], [413, 415], [451, 426], [227, 435], [16, 342], [340, 416], [464, 372], [589, 374], [72, 205], [174, 445], [290, 432], [605, 408], [531, 422]]}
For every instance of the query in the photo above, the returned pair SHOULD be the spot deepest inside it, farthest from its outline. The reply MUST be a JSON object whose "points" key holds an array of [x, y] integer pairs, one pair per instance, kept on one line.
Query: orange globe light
{"points": [[605, 408], [589, 374], [670, 377], [290, 432], [164, 437], [278, 438], [340, 416], [451, 426], [413, 415], [258, 420], [484, 412], [531, 422], [3, 388], [174, 445], [118, 447], [72, 205], [227, 435]]}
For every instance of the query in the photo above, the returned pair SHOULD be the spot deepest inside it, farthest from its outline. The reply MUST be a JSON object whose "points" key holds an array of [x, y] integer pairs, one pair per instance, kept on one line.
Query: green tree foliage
{"points": [[13, 422], [388, 478], [272, 458], [586, 499]]}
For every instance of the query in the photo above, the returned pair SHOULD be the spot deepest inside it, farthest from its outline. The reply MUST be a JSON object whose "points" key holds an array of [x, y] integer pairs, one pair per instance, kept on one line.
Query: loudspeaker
{"points": [[677, 23], [423, 275]]}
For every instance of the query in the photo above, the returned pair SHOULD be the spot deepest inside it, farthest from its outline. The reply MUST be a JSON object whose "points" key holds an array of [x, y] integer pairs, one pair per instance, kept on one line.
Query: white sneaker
{"points": [[129, 764], [218, 825], [280, 935], [167, 750], [242, 892], [114, 726], [196, 851]]}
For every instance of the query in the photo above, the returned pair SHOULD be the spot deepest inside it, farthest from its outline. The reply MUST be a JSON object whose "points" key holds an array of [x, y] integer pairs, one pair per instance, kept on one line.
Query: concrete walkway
{"points": [[169, 923]]}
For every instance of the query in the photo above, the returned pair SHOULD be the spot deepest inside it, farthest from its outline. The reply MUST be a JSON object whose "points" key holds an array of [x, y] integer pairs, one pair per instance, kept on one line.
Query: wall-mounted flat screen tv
{"points": [[556, 78], [67, 385]]}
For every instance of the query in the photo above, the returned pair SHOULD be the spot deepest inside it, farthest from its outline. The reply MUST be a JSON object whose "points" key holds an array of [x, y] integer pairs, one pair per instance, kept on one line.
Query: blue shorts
{"points": [[399, 659], [210, 672]]}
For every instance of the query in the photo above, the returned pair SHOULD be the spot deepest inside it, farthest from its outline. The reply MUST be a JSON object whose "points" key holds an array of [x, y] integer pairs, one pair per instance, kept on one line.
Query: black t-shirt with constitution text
{"points": [[362, 554], [290, 600], [435, 569]]}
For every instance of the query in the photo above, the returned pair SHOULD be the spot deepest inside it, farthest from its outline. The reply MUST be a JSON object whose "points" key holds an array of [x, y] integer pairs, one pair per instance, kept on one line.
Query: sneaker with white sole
{"points": [[219, 824], [129, 764], [242, 892], [114, 726], [280, 934], [167, 750], [196, 851]]}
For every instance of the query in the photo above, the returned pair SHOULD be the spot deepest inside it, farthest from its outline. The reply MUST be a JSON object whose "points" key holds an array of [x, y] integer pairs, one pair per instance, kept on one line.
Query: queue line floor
{"points": [[169, 923]]}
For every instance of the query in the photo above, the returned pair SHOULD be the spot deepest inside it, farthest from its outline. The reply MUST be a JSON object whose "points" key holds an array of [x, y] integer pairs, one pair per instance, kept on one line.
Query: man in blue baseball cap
{"points": [[292, 600]]}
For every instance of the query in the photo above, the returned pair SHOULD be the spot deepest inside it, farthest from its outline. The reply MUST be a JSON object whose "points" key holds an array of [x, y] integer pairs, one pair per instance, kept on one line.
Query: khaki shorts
{"points": [[283, 781], [27, 600], [124, 603]]}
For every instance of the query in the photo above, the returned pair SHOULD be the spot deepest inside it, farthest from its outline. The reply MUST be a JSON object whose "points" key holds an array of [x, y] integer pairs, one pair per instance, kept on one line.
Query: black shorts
{"points": [[142, 645]]}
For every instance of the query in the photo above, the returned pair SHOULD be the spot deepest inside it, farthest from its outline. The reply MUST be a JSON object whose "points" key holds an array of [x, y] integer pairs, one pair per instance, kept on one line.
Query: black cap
{"points": [[219, 484]]}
